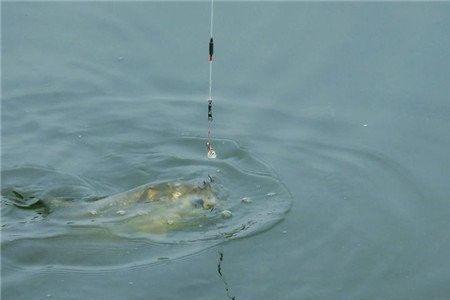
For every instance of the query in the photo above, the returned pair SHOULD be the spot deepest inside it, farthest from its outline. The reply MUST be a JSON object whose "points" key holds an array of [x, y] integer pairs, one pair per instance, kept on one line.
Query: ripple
{"points": [[246, 188]]}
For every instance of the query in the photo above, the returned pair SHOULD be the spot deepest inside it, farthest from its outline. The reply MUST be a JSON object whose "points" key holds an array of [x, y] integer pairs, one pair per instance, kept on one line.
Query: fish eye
{"points": [[208, 205]]}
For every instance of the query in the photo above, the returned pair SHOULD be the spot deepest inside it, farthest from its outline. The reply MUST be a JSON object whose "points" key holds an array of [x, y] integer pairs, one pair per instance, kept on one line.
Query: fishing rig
{"points": [[211, 153]]}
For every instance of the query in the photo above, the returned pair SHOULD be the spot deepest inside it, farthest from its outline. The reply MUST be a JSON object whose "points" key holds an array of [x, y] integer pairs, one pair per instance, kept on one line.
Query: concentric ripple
{"points": [[250, 199]]}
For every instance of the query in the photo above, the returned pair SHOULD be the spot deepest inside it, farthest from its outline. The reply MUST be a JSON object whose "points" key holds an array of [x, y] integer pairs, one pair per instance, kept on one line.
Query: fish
{"points": [[156, 208]]}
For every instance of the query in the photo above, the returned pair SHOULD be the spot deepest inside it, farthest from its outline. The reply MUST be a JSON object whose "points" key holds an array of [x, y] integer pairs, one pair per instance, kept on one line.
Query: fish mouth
{"points": [[201, 203]]}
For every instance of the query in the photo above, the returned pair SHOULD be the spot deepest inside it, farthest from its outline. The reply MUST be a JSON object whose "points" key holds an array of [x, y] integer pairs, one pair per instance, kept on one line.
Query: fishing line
{"points": [[209, 147], [222, 277]]}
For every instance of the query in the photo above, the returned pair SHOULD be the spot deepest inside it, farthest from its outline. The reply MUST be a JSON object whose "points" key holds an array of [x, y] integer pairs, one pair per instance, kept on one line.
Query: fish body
{"points": [[153, 208]]}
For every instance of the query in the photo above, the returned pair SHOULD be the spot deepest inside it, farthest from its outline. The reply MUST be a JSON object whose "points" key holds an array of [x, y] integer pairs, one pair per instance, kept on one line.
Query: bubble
{"points": [[226, 214], [246, 200]]}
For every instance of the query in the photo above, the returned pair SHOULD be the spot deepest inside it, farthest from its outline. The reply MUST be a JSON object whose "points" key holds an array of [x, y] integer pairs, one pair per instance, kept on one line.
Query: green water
{"points": [[333, 117]]}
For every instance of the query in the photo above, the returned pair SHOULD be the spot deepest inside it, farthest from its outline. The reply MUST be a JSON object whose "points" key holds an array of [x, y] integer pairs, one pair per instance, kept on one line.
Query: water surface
{"points": [[344, 105]]}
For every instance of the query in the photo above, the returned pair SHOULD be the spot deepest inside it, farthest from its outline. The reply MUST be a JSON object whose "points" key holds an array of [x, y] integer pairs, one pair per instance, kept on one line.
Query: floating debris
{"points": [[271, 194], [120, 212]]}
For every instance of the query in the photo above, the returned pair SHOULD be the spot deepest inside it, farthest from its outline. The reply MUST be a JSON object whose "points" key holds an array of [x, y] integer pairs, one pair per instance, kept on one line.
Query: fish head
{"points": [[205, 197], [207, 202]]}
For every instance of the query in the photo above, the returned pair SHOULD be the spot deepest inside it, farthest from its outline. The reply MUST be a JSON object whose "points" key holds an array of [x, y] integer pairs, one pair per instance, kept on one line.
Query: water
{"points": [[239, 195], [343, 106]]}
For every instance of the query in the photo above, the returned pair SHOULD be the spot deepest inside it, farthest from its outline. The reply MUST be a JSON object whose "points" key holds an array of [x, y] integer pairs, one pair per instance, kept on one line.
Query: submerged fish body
{"points": [[153, 208]]}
